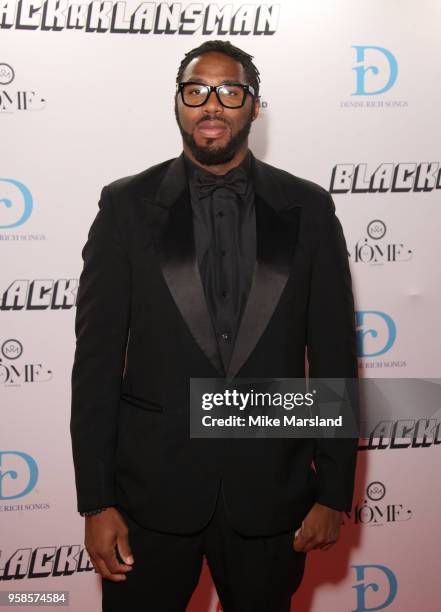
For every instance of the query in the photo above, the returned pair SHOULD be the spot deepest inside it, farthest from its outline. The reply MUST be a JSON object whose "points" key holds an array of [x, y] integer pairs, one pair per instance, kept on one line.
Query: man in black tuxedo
{"points": [[213, 264]]}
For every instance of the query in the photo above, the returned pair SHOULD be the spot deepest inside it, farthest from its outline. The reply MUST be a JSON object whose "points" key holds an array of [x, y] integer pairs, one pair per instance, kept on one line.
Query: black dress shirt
{"points": [[225, 239]]}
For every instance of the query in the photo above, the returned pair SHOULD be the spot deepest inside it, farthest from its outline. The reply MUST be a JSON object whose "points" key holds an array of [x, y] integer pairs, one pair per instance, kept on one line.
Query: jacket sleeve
{"points": [[331, 350], [101, 329]]}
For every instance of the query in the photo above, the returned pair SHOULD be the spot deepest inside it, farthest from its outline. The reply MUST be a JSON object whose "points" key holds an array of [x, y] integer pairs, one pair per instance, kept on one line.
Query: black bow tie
{"points": [[236, 180]]}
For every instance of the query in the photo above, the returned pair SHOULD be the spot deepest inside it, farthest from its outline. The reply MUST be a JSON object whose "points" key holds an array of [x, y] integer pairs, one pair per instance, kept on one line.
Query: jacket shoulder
{"points": [[137, 184], [304, 192]]}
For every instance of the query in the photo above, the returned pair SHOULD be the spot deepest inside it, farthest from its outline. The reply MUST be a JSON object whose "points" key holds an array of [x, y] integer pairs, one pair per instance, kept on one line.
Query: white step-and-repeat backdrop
{"points": [[350, 94]]}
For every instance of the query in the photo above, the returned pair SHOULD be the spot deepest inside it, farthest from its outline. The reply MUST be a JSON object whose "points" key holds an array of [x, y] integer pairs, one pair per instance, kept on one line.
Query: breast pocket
{"points": [[141, 402]]}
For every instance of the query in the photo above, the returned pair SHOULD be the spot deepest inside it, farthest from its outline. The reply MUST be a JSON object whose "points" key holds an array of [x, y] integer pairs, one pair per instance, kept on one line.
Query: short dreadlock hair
{"points": [[225, 47]]}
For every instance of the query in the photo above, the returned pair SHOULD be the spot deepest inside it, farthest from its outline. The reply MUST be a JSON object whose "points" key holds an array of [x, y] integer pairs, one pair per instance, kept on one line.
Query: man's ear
{"points": [[256, 108]]}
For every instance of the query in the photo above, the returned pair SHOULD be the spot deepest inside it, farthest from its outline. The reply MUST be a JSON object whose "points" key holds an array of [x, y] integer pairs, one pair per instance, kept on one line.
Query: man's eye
{"points": [[229, 91], [195, 90]]}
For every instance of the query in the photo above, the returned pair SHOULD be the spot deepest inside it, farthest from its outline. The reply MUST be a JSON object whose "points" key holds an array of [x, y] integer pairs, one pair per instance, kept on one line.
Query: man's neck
{"points": [[219, 169]]}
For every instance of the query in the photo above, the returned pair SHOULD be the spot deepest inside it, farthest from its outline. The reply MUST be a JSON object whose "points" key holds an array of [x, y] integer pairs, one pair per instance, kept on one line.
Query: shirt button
{"points": [[223, 252], [224, 293], [224, 336], [220, 214]]}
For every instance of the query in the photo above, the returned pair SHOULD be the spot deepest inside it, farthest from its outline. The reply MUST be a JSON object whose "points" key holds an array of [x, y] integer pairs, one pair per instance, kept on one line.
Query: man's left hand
{"points": [[320, 529]]}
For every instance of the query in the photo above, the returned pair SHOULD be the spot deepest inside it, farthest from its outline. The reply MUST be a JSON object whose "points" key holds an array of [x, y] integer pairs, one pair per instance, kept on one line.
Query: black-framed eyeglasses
{"points": [[230, 95]]}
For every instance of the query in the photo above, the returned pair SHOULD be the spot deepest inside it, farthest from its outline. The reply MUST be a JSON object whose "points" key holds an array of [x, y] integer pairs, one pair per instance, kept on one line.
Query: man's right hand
{"points": [[104, 532]]}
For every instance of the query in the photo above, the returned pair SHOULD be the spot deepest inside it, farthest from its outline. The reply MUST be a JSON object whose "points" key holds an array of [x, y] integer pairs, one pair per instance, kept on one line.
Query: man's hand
{"points": [[320, 529], [105, 531]]}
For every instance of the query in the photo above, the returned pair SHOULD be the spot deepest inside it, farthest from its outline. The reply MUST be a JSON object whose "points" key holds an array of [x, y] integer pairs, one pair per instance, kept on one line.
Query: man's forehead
{"points": [[215, 67]]}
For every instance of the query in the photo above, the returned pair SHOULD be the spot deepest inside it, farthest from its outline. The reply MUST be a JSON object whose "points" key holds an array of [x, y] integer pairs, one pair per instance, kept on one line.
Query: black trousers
{"points": [[251, 574]]}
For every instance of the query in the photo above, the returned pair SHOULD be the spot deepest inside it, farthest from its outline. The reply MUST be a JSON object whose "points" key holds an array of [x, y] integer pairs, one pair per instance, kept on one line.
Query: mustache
{"points": [[212, 118]]}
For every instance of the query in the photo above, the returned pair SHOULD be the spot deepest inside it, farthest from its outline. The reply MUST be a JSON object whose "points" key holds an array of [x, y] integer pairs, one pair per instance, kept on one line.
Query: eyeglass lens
{"points": [[230, 95]]}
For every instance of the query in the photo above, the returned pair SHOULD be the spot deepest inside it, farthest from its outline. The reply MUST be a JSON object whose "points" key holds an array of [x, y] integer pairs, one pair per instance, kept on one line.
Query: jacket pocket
{"points": [[142, 403]]}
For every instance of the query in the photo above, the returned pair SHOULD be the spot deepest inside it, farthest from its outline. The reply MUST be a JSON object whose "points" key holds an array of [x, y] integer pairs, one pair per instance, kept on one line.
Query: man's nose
{"points": [[212, 105]]}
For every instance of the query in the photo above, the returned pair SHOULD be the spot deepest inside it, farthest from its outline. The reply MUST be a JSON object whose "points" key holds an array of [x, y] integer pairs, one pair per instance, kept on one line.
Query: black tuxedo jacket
{"points": [[143, 330]]}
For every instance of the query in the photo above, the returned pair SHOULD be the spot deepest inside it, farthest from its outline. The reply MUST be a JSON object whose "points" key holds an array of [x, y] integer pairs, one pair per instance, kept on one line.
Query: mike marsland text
{"points": [[266, 421]]}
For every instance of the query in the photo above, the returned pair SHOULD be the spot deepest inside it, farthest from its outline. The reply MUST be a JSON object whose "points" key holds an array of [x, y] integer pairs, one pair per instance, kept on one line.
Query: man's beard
{"points": [[215, 156]]}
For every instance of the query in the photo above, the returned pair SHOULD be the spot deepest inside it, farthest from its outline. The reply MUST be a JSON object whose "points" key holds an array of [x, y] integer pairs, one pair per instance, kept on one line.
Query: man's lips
{"points": [[211, 129]]}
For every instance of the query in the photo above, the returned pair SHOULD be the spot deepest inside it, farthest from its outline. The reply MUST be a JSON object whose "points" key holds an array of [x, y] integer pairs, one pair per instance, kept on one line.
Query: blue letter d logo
{"points": [[27, 474], [363, 587], [376, 332], [362, 70], [5, 203]]}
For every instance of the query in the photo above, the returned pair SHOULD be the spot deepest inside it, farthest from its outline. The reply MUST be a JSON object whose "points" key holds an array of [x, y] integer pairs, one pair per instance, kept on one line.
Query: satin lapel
{"points": [[176, 248], [276, 236]]}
